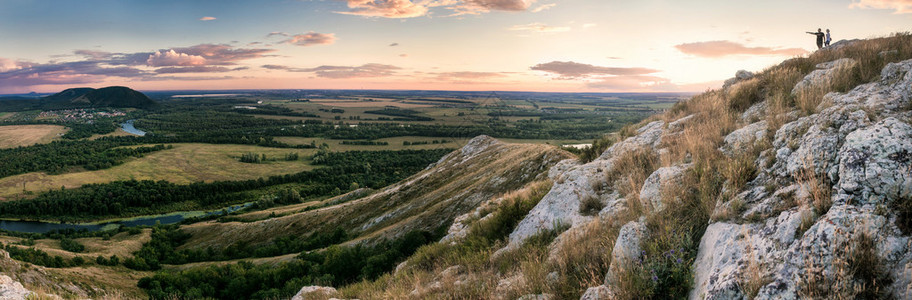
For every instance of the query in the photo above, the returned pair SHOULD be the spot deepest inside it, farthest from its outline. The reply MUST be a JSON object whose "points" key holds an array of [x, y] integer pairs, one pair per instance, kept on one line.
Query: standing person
{"points": [[828, 39], [820, 36]]}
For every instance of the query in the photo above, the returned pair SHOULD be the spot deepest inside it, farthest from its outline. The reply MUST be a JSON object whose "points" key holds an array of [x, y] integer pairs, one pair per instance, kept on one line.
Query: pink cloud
{"points": [[632, 83], [173, 58], [207, 18], [386, 8], [898, 6], [507, 5], [7, 64], [726, 48], [573, 70], [312, 39], [222, 54], [543, 7]]}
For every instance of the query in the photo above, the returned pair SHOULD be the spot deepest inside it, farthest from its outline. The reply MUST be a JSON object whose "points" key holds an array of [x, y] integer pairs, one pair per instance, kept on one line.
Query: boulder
{"points": [[12, 290], [315, 292]]}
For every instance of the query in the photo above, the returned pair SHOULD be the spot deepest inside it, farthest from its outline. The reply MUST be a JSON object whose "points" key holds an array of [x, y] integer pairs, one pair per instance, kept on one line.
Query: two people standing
{"points": [[821, 38]]}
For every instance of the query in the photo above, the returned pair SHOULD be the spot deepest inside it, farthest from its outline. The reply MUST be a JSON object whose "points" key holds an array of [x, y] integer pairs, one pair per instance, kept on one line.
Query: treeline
{"points": [[335, 266], [365, 143], [400, 114], [130, 198], [80, 130], [58, 156], [162, 248], [41, 258]]}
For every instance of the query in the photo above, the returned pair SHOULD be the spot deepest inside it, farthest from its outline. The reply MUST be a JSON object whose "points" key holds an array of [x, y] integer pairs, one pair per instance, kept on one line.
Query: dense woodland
{"points": [[334, 266], [373, 169], [60, 156]]}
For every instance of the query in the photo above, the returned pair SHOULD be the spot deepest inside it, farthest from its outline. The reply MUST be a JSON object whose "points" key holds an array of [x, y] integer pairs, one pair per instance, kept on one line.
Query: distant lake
{"points": [[164, 219], [128, 127]]}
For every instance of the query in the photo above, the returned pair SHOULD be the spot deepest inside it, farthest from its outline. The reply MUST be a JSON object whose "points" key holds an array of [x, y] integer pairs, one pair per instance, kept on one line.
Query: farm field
{"points": [[185, 163], [25, 135]]}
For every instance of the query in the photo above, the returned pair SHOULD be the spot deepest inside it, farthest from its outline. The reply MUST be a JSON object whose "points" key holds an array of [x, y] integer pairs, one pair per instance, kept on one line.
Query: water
{"points": [[171, 218], [128, 127]]}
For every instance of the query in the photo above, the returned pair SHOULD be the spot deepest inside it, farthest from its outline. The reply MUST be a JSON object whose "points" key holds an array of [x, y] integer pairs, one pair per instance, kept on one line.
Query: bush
{"points": [[71, 245]]}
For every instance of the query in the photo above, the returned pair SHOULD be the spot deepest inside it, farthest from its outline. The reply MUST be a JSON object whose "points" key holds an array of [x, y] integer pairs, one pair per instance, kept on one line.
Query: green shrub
{"points": [[71, 245]]}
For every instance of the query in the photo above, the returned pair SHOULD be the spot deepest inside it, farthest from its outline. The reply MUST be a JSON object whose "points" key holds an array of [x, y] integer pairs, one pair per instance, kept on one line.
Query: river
{"points": [[170, 218], [128, 127]]}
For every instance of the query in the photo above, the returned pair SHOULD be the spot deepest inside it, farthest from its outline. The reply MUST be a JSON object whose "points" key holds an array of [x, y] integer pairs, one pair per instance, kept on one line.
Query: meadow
{"points": [[12, 136]]}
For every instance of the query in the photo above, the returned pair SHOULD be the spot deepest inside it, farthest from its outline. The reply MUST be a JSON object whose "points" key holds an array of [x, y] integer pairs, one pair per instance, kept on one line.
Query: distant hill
{"points": [[114, 96]]}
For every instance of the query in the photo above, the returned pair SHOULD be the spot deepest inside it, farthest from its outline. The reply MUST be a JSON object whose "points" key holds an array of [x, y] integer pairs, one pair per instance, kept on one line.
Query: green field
{"points": [[186, 163]]}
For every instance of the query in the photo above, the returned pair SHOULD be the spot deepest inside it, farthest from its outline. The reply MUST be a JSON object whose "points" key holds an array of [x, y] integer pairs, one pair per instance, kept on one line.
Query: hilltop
{"points": [[113, 96]]}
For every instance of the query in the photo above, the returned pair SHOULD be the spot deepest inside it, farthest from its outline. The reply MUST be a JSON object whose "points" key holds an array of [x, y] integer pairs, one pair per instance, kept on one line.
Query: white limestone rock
{"points": [[12, 290], [314, 292]]}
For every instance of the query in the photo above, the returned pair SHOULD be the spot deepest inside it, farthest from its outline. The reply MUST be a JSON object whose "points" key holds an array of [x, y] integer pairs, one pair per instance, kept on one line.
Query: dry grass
{"points": [[751, 279], [629, 172], [856, 271], [12, 136], [186, 163], [590, 205]]}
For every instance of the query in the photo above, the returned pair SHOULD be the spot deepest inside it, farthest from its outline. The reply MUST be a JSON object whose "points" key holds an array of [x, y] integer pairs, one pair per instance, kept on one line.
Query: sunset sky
{"points": [[507, 45]]}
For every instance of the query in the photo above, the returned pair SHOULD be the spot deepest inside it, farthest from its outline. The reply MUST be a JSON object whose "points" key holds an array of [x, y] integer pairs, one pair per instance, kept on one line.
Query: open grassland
{"points": [[121, 244], [185, 163], [25, 135]]}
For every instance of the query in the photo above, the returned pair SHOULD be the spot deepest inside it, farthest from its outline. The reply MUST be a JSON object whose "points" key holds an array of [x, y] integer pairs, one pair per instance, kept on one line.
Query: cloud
{"points": [[589, 25], [196, 69], [341, 72], [173, 58], [98, 66], [726, 48], [222, 54], [387, 8], [898, 6], [573, 70], [539, 27], [394, 44], [207, 18], [403, 55], [506, 5], [7, 64], [312, 38], [277, 33], [468, 75], [93, 54], [417, 8], [19, 74], [543, 7]]}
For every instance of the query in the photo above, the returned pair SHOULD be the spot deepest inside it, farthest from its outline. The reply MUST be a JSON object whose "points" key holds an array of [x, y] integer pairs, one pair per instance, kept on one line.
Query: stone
{"points": [[12, 290], [823, 74], [875, 163], [598, 293], [314, 292], [626, 248], [744, 138], [658, 182]]}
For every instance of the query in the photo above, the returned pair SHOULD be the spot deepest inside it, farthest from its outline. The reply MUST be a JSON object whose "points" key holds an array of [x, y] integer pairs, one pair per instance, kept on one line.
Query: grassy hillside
{"points": [[425, 201]]}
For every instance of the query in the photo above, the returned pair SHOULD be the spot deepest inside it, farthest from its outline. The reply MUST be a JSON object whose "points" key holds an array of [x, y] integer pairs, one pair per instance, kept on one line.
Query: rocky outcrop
{"points": [[315, 292], [12, 290], [741, 75], [855, 153], [824, 73]]}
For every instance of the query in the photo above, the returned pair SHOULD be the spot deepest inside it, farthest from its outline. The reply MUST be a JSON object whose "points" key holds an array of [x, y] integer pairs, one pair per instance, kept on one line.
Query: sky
{"points": [[504, 45]]}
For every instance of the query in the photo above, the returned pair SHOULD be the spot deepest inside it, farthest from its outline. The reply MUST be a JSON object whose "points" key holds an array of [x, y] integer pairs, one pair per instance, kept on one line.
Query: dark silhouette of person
{"points": [[820, 36], [828, 39]]}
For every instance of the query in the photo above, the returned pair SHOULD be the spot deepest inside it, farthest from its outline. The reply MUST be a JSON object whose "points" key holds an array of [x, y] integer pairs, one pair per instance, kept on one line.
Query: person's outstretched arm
{"points": [[808, 32]]}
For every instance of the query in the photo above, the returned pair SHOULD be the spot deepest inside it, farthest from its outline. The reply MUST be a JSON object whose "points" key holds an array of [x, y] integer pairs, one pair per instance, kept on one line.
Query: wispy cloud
{"points": [[574, 70], [543, 7], [898, 6], [589, 25], [416, 8], [342, 72], [714, 49], [207, 18], [312, 39], [277, 33], [394, 44], [539, 27]]}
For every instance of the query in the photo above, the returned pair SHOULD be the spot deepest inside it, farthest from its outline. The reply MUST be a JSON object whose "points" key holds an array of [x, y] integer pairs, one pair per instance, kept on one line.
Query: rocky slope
{"points": [[792, 183]]}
